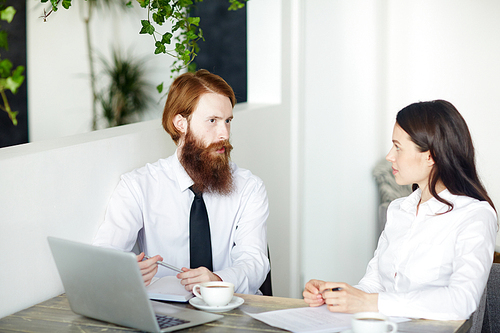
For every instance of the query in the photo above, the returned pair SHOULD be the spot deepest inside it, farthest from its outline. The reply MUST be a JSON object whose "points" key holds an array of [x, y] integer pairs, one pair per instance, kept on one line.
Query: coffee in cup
{"points": [[215, 293], [372, 322]]}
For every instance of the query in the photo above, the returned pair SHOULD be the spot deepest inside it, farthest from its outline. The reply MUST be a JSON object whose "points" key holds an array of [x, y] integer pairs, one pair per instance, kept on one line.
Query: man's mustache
{"points": [[219, 145]]}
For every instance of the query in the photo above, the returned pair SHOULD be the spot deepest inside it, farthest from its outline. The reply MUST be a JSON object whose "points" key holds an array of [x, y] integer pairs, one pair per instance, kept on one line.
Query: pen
{"points": [[167, 265], [331, 289]]}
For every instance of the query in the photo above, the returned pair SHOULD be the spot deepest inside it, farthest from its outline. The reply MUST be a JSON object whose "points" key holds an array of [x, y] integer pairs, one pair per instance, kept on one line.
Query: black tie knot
{"points": [[197, 194]]}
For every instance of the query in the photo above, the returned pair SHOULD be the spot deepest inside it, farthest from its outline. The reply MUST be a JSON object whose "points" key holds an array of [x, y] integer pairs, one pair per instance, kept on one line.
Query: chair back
{"points": [[491, 321], [267, 289], [478, 316]]}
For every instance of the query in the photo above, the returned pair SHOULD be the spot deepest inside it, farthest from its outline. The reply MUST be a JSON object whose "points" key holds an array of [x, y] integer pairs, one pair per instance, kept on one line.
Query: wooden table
{"points": [[54, 315]]}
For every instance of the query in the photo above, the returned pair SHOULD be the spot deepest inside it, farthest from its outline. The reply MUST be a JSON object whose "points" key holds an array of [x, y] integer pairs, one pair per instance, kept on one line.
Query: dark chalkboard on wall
{"points": [[224, 51], [16, 30]]}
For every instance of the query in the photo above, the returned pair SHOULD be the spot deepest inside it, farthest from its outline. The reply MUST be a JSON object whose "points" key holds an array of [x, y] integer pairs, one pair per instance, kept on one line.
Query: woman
{"points": [[434, 256]]}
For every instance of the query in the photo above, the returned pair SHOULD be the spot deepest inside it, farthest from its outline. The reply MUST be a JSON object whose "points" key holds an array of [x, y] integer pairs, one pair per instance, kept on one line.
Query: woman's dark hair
{"points": [[438, 127]]}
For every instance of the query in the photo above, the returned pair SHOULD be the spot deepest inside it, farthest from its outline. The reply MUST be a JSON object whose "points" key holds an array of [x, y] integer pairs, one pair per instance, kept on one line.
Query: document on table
{"points": [[309, 319], [168, 288]]}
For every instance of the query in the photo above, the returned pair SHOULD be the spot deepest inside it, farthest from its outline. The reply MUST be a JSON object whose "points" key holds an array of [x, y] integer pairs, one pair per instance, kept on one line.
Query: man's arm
{"points": [[122, 221], [250, 263]]}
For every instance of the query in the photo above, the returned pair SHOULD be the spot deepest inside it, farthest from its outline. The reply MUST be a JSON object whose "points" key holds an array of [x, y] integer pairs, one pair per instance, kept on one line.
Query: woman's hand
{"points": [[312, 293], [348, 299], [339, 297]]}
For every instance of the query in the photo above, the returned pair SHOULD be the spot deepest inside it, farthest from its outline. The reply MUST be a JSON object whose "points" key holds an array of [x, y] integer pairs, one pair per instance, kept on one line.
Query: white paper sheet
{"points": [[309, 319]]}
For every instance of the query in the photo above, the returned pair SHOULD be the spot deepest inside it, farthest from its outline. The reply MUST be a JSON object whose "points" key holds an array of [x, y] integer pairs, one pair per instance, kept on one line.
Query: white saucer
{"points": [[200, 304]]}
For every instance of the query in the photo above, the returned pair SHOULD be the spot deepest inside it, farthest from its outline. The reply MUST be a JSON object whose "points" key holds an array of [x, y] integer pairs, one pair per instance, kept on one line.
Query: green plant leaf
{"points": [[7, 14], [185, 3], [54, 4], [177, 25], [179, 48], [3, 40], [166, 38], [143, 3], [12, 116], [147, 28], [186, 57], [192, 67], [235, 4], [160, 48], [17, 74], [5, 68], [158, 18], [194, 20], [129, 4], [12, 84], [66, 4], [191, 35], [168, 9], [159, 88]]}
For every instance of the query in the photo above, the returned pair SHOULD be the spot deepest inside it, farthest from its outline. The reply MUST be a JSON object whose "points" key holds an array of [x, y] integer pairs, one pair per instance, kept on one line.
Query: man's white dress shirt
{"points": [[152, 204], [433, 265]]}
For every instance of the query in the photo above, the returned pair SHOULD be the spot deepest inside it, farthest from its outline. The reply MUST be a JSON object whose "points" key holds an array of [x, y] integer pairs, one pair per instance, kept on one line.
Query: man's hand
{"points": [[148, 267], [190, 277]]}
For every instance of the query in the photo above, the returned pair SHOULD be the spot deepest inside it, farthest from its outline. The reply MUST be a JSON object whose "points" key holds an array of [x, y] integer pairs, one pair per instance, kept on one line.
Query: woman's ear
{"points": [[180, 123], [430, 160]]}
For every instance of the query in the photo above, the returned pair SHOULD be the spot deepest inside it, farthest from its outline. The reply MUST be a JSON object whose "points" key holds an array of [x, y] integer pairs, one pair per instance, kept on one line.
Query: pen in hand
{"points": [[330, 289], [166, 265]]}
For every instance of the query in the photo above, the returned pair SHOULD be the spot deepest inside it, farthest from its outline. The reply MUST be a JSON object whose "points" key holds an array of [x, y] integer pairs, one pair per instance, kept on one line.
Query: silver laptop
{"points": [[107, 285]]}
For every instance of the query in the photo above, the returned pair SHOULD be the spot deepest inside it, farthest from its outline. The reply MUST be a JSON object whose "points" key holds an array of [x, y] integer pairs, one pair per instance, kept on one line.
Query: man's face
{"points": [[205, 151], [210, 122]]}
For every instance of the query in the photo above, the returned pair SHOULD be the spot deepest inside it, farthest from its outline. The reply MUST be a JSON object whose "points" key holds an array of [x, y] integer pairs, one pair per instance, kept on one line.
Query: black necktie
{"points": [[200, 244]]}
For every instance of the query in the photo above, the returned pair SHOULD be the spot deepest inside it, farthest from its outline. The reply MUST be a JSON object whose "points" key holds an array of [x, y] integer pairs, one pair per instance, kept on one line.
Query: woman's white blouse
{"points": [[433, 265]]}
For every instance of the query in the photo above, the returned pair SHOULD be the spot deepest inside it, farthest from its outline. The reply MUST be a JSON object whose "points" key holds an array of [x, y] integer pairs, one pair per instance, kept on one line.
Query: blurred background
{"points": [[326, 77]]}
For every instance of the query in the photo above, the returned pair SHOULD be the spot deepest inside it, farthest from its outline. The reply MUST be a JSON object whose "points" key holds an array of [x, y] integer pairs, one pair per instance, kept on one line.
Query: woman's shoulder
{"points": [[470, 205]]}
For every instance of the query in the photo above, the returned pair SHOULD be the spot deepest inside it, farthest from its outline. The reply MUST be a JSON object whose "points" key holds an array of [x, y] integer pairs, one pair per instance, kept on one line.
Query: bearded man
{"points": [[153, 204]]}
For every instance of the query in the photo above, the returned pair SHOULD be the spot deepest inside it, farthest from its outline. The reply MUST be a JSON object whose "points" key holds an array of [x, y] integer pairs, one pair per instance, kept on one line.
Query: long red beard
{"points": [[209, 170]]}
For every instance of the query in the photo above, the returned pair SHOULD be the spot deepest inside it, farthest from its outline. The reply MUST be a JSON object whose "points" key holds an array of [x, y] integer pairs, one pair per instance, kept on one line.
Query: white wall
{"points": [[60, 188], [340, 138], [449, 50]]}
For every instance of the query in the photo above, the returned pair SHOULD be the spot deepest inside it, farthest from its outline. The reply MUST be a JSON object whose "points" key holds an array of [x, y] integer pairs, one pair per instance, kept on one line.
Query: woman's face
{"points": [[409, 165]]}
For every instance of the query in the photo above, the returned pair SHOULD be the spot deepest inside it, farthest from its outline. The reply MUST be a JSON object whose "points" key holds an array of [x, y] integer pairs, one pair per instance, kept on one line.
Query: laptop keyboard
{"points": [[167, 321]]}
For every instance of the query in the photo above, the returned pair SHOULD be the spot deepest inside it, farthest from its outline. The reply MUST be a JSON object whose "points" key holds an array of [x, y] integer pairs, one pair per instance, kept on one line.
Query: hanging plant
{"points": [[9, 79], [180, 41]]}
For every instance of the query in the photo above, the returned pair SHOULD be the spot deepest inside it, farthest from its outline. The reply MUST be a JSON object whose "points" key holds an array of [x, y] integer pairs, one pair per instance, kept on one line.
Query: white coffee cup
{"points": [[216, 293], [372, 322]]}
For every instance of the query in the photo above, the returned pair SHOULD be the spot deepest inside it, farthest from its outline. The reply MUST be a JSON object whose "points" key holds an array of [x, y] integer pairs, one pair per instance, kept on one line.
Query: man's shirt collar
{"points": [[183, 178]]}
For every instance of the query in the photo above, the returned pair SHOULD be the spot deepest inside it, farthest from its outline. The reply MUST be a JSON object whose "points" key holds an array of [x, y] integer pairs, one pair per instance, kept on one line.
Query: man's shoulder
{"points": [[150, 170], [244, 175]]}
